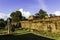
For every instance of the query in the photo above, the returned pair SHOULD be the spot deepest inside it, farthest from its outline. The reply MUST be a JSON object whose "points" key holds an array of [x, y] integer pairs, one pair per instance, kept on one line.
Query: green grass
{"points": [[48, 35], [3, 31], [22, 32], [43, 34]]}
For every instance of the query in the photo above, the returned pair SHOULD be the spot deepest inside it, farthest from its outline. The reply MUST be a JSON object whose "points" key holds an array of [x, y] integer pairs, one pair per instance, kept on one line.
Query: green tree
{"points": [[16, 16], [41, 14], [2, 23], [1, 19], [52, 15], [24, 18]]}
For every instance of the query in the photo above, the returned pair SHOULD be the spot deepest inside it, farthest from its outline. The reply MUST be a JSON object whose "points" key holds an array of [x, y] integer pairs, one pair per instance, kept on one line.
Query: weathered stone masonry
{"points": [[50, 24]]}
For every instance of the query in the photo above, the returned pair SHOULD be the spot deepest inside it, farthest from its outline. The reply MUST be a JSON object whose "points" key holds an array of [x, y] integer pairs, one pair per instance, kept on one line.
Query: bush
{"points": [[13, 28]]}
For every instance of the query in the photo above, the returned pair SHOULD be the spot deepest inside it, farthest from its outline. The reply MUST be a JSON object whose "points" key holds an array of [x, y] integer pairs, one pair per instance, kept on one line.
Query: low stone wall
{"points": [[49, 26]]}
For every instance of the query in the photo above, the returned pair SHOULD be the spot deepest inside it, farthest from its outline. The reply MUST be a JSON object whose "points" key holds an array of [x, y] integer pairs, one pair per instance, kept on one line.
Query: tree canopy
{"points": [[2, 23], [52, 15], [41, 14], [16, 16]]}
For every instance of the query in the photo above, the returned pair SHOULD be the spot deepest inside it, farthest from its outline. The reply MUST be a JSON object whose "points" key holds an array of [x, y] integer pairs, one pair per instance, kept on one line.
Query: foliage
{"points": [[12, 29], [2, 23], [52, 15], [24, 18], [41, 14], [16, 16]]}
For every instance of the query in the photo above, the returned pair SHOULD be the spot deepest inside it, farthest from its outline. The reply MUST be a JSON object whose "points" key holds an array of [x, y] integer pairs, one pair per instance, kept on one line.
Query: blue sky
{"points": [[28, 7]]}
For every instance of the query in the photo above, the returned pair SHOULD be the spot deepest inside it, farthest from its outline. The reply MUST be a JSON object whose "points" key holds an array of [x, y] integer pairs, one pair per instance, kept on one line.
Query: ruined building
{"points": [[50, 24]]}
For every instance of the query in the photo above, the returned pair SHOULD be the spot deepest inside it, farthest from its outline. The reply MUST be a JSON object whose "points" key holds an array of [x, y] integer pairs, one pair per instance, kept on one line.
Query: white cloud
{"points": [[57, 13], [25, 13], [4, 16]]}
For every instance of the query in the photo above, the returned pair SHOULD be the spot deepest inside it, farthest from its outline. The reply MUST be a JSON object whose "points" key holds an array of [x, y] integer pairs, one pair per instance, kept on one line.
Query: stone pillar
{"points": [[8, 24]]}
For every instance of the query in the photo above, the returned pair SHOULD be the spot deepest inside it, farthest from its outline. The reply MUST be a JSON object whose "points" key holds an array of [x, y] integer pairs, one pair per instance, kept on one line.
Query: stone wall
{"points": [[50, 24]]}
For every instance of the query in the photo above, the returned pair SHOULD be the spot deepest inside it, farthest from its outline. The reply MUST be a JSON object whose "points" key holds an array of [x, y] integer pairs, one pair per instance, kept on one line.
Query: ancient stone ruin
{"points": [[49, 24]]}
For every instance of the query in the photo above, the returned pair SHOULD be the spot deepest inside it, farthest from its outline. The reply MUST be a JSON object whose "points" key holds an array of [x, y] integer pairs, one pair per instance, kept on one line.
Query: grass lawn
{"points": [[26, 35], [47, 35]]}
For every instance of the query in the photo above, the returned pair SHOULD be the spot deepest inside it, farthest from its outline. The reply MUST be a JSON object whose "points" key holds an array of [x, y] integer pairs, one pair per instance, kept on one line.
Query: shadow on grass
{"points": [[29, 36]]}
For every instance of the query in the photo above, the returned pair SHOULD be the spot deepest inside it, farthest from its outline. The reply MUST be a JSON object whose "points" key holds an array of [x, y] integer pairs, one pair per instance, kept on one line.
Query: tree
{"points": [[1, 19], [2, 23], [16, 16], [41, 14], [24, 18], [52, 15]]}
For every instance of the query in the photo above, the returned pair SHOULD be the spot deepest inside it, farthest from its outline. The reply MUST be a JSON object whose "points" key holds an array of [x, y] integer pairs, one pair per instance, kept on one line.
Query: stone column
{"points": [[8, 24]]}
